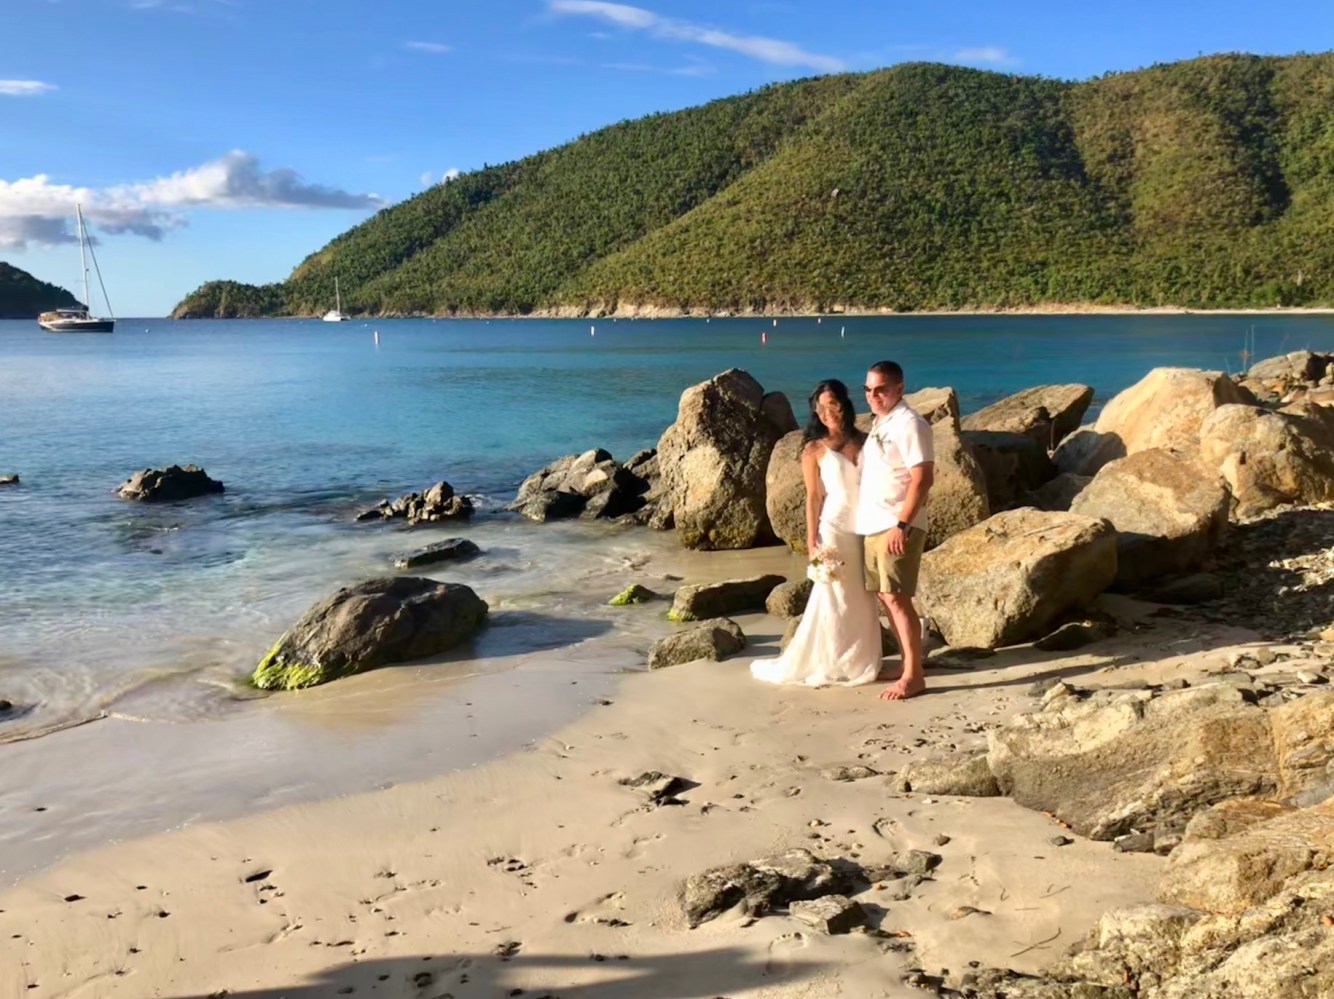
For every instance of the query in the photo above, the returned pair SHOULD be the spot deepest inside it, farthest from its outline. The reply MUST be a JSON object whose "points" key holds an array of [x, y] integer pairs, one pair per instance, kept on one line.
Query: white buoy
{"points": [[775, 322], [817, 320], [377, 338], [592, 331], [842, 330]]}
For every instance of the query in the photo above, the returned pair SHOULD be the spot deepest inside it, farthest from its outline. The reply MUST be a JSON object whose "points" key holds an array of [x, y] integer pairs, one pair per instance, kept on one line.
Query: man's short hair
{"points": [[890, 370]]}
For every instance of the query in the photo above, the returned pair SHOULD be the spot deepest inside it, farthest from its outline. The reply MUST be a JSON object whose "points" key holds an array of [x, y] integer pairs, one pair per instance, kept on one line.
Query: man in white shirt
{"points": [[898, 467]]}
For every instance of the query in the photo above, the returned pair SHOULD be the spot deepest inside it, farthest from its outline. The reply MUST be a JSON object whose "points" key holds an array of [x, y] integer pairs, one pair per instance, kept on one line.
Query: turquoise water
{"points": [[306, 422]]}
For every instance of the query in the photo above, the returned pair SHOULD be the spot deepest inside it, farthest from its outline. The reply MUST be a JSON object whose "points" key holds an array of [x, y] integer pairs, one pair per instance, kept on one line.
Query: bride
{"points": [[838, 640]]}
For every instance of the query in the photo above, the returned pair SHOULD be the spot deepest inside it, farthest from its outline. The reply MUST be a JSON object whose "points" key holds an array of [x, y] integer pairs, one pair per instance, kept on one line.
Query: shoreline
{"points": [[537, 870]]}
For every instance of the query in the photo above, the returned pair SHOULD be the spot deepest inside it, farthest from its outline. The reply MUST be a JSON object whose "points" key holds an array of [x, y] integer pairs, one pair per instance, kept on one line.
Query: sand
{"points": [[538, 874]]}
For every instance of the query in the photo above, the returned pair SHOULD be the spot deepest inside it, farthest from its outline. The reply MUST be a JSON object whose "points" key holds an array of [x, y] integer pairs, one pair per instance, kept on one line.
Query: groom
{"points": [[898, 467]]}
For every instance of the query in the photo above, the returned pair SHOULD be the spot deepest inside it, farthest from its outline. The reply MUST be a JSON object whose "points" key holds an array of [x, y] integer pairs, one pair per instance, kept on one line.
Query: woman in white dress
{"points": [[838, 640]]}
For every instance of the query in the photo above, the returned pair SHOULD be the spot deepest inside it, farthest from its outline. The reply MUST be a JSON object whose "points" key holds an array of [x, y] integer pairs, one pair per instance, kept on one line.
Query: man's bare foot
{"points": [[903, 689]]}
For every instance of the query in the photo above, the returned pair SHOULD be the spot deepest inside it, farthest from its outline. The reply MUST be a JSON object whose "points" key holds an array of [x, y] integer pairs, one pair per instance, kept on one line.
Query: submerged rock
{"points": [[451, 549], [371, 624], [9, 480], [167, 485]]}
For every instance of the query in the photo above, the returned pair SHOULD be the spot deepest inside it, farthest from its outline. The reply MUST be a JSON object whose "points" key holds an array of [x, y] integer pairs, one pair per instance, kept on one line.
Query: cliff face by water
{"points": [[1203, 184], [23, 296]]}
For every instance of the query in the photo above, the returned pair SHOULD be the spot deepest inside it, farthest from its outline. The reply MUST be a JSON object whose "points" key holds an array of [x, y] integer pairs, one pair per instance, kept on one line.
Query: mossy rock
{"points": [[632, 594]]}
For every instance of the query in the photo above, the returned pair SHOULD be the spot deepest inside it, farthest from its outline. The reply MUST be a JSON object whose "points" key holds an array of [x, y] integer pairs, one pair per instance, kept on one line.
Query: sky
{"points": [[231, 138]]}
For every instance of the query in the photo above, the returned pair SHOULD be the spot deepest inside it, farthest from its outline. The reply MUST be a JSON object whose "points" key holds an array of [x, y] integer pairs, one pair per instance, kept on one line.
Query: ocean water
{"points": [[158, 612]]}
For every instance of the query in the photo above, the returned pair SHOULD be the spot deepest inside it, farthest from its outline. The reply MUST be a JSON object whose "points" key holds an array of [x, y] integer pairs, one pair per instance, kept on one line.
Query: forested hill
{"points": [[1207, 183], [22, 296]]}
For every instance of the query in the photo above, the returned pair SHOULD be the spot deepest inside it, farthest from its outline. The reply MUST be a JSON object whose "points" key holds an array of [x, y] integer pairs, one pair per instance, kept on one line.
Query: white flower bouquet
{"points": [[823, 566]]}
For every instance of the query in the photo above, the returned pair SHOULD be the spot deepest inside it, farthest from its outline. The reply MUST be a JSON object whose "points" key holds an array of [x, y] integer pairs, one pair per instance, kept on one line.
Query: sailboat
{"points": [[336, 315], [81, 320]]}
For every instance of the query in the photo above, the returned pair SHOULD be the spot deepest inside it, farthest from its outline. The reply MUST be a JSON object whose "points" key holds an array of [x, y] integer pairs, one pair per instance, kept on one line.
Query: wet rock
{"points": [[168, 485], [437, 503], [712, 461], [708, 600], [632, 594], [963, 774], [1008, 579], [371, 624], [1168, 512], [760, 886], [788, 600], [449, 550], [1047, 413], [830, 915], [590, 485], [713, 640], [9, 480]]}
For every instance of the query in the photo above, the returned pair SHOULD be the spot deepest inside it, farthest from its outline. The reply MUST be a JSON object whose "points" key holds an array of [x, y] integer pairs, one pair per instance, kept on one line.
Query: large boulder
{"points": [[958, 496], [371, 624], [788, 600], [1085, 451], [592, 485], [712, 462], [935, 405], [1286, 369], [1047, 413], [1271, 458], [785, 492], [437, 503], [1009, 578], [1058, 493], [1119, 762], [1012, 463], [1163, 409], [167, 485], [700, 601], [1168, 512]]}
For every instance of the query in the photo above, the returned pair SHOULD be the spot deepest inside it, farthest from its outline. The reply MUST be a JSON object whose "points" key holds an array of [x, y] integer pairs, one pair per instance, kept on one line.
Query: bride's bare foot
{"points": [[903, 689]]}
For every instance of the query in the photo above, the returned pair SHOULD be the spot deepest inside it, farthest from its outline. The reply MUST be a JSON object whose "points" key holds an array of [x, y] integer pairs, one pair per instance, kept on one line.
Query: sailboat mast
{"points": [[83, 257]]}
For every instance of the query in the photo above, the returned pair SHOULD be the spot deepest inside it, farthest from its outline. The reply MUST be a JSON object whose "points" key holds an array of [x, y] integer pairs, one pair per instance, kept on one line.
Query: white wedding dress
{"points": [[838, 640]]}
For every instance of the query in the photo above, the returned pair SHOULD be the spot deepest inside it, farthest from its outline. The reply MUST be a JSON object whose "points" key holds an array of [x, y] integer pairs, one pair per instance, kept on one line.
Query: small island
{"points": [[23, 296]]}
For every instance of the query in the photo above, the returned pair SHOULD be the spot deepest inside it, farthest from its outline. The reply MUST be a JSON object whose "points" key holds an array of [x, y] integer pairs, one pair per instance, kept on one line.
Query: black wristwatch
{"points": [[904, 526]]}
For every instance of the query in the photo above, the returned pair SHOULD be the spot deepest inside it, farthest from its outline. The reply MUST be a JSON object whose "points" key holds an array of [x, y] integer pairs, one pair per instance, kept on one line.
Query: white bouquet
{"points": [[824, 565]]}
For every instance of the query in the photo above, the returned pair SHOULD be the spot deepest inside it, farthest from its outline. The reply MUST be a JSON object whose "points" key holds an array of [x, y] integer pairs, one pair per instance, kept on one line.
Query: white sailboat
{"points": [[81, 320], [336, 315]]}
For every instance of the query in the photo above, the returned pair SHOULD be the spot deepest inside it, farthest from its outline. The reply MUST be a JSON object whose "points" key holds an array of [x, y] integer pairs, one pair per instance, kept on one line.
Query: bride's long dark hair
{"points": [[815, 428]]}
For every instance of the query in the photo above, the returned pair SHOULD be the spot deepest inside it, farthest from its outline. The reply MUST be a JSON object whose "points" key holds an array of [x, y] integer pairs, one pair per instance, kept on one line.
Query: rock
{"points": [[1013, 465], [1192, 588], [844, 774], [712, 462], [958, 497], [1164, 409], [1060, 841], [437, 503], [9, 480], [1047, 413], [1169, 514], [1085, 451], [706, 600], [556, 505], [778, 411], [632, 594], [1058, 493], [1121, 762], [451, 549], [785, 492], [830, 915], [1232, 874], [6, 706], [788, 632], [710, 640], [1299, 366], [167, 485], [963, 774], [591, 485], [761, 886], [1134, 842], [1227, 818], [916, 863], [1009, 578], [1271, 458], [1304, 747], [1074, 635], [935, 405], [788, 600], [659, 788], [371, 624]]}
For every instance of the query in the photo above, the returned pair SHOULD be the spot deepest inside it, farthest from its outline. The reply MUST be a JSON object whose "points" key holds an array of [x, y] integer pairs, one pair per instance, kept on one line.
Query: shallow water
{"points": [[307, 422]]}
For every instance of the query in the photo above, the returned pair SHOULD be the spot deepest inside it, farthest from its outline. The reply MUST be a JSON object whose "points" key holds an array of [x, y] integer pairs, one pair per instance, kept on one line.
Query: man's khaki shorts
{"points": [[886, 573]]}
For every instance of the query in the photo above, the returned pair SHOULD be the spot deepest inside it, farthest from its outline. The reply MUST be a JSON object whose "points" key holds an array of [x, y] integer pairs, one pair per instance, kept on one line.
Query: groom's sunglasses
{"points": [[876, 389]]}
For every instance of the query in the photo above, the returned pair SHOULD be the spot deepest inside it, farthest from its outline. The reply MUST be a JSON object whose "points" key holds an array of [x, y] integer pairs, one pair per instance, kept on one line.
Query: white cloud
{"points": [[451, 174], [769, 50], [434, 48], [991, 55], [34, 210], [428, 178], [25, 88], [694, 69]]}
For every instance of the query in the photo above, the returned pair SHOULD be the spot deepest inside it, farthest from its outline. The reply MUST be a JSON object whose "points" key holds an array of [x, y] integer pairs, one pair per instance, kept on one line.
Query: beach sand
{"points": [[538, 874]]}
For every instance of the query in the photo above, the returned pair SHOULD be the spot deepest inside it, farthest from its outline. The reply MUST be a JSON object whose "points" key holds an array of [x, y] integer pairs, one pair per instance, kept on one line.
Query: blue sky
{"points": [[229, 138]]}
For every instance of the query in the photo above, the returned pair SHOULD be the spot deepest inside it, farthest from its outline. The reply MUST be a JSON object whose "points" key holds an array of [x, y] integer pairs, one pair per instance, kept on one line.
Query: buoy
{"points": [[764, 338], [817, 320], [775, 322], [842, 330], [592, 331]]}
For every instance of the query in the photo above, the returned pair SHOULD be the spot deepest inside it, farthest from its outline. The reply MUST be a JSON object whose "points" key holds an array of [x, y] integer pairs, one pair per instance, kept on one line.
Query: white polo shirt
{"points": [[898, 441]]}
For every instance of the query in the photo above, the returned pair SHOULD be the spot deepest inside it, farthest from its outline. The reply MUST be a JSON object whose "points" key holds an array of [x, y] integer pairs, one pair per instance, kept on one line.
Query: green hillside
{"points": [[22, 296], [1207, 183]]}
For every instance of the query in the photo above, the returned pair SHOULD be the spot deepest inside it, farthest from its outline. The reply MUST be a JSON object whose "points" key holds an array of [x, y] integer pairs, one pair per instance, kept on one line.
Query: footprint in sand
{"points": [[782, 951], [639, 847]]}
